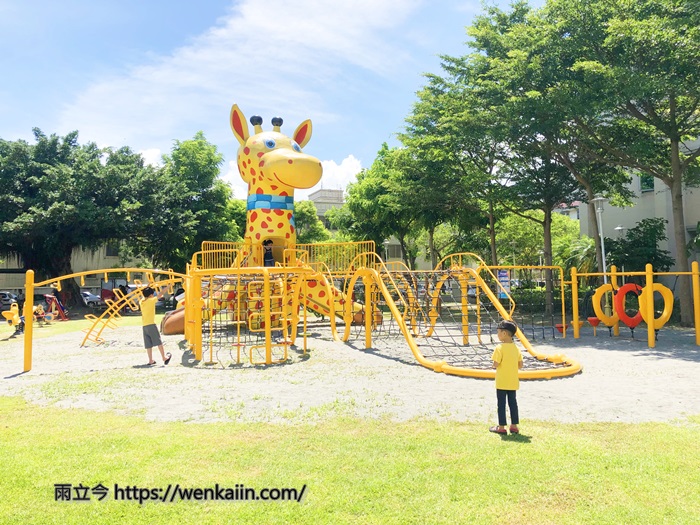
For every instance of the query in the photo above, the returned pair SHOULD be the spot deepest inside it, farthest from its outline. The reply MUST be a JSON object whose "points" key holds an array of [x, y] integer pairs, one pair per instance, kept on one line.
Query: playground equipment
{"points": [[237, 306], [14, 318], [55, 307], [616, 311]]}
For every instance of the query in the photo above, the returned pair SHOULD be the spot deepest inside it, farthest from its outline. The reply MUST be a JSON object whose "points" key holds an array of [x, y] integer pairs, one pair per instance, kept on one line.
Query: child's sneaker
{"points": [[497, 430], [514, 429]]}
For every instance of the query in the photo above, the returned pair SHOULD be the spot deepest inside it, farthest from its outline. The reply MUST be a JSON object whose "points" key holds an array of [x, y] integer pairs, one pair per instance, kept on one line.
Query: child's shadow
{"points": [[516, 438]]}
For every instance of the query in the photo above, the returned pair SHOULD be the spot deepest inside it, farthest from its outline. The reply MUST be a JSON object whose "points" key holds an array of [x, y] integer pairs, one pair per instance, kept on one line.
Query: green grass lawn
{"points": [[355, 471]]}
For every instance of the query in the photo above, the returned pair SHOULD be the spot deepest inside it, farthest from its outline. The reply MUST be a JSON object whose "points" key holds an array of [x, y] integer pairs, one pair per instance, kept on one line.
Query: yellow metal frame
{"points": [[287, 284], [30, 285], [649, 283]]}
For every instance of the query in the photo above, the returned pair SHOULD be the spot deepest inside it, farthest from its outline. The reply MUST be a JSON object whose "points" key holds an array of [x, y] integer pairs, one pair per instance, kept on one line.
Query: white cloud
{"points": [[233, 179], [273, 57], [152, 156]]}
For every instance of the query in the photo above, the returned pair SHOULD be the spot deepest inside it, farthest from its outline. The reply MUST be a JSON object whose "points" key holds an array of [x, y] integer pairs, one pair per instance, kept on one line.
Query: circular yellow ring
{"points": [[607, 320], [668, 305]]}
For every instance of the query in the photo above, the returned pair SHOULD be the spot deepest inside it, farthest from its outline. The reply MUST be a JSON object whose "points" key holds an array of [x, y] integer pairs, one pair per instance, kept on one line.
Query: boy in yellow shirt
{"points": [[507, 360], [151, 335]]}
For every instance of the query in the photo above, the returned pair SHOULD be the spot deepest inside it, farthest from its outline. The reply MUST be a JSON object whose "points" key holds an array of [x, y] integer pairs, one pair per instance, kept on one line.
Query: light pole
{"points": [[599, 202], [620, 229], [386, 249]]}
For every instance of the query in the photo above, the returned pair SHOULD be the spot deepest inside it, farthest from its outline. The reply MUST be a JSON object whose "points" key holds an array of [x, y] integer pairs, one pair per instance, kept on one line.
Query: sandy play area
{"points": [[622, 380]]}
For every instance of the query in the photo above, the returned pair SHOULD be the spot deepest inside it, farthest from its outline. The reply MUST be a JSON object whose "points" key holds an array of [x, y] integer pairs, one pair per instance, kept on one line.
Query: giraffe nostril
{"points": [[290, 161]]}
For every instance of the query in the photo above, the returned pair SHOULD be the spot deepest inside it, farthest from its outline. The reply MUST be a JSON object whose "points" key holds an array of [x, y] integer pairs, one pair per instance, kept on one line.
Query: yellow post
{"points": [[651, 335], [563, 304], [28, 319], [696, 299], [574, 302], [368, 312], [197, 305], [268, 317]]}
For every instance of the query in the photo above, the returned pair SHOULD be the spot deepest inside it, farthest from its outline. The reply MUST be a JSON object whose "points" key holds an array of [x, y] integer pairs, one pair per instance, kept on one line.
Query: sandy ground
{"points": [[622, 381]]}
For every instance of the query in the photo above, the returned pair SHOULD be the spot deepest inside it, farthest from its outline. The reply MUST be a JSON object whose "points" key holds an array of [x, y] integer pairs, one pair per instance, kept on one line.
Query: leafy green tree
{"points": [[237, 213], [521, 73], [309, 227], [454, 158], [379, 204], [181, 205], [633, 91], [641, 246], [58, 197]]}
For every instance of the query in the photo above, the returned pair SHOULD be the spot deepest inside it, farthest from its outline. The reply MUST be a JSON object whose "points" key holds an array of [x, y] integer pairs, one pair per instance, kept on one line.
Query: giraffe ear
{"points": [[302, 135], [239, 124]]}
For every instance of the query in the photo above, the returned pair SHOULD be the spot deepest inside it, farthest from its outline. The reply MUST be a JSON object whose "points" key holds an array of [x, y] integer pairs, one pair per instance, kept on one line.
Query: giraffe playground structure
{"points": [[273, 165], [236, 304]]}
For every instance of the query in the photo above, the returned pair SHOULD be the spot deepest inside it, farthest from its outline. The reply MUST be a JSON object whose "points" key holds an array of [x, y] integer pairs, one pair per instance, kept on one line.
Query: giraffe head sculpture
{"points": [[273, 165]]}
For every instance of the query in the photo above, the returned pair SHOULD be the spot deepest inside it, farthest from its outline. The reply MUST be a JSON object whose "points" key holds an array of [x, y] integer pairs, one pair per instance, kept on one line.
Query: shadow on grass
{"points": [[516, 438]]}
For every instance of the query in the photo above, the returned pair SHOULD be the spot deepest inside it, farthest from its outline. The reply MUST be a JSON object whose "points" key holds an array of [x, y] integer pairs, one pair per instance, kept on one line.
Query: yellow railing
{"points": [[30, 285], [338, 257]]}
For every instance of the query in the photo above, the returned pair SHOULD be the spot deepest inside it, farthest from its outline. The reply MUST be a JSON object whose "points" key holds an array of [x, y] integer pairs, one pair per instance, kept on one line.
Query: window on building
{"points": [[646, 182], [112, 249]]}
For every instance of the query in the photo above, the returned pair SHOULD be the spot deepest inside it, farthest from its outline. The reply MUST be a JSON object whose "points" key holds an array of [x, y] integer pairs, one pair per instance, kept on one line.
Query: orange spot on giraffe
{"points": [[246, 150], [279, 212], [252, 171]]}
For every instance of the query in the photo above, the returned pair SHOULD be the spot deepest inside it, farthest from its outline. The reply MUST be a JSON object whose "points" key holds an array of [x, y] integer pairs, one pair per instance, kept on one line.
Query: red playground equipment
{"points": [[55, 306]]}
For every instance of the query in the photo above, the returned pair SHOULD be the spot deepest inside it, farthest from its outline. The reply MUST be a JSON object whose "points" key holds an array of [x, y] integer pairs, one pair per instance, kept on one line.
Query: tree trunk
{"points": [[547, 248], [683, 287], [492, 235], [61, 263], [431, 246]]}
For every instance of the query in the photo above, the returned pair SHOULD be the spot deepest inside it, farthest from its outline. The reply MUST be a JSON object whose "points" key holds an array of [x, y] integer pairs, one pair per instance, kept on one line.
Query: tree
{"points": [[379, 204], [633, 92], [641, 246], [181, 205], [60, 197], [309, 227], [454, 157]]}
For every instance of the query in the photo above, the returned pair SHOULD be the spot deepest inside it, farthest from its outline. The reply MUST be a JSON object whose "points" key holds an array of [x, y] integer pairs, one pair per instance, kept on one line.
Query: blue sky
{"points": [[145, 73]]}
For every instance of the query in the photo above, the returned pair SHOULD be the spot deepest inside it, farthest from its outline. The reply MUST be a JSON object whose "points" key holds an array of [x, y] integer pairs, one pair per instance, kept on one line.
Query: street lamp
{"points": [[620, 229], [599, 202], [386, 249]]}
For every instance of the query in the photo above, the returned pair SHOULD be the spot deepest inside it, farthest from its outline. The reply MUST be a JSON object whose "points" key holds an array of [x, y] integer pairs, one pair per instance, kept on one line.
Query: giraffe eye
{"points": [[296, 147], [270, 144]]}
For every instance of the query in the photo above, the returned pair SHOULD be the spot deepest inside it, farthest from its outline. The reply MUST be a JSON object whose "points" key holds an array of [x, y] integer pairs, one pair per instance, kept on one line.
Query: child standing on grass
{"points": [[151, 335], [507, 360]]}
